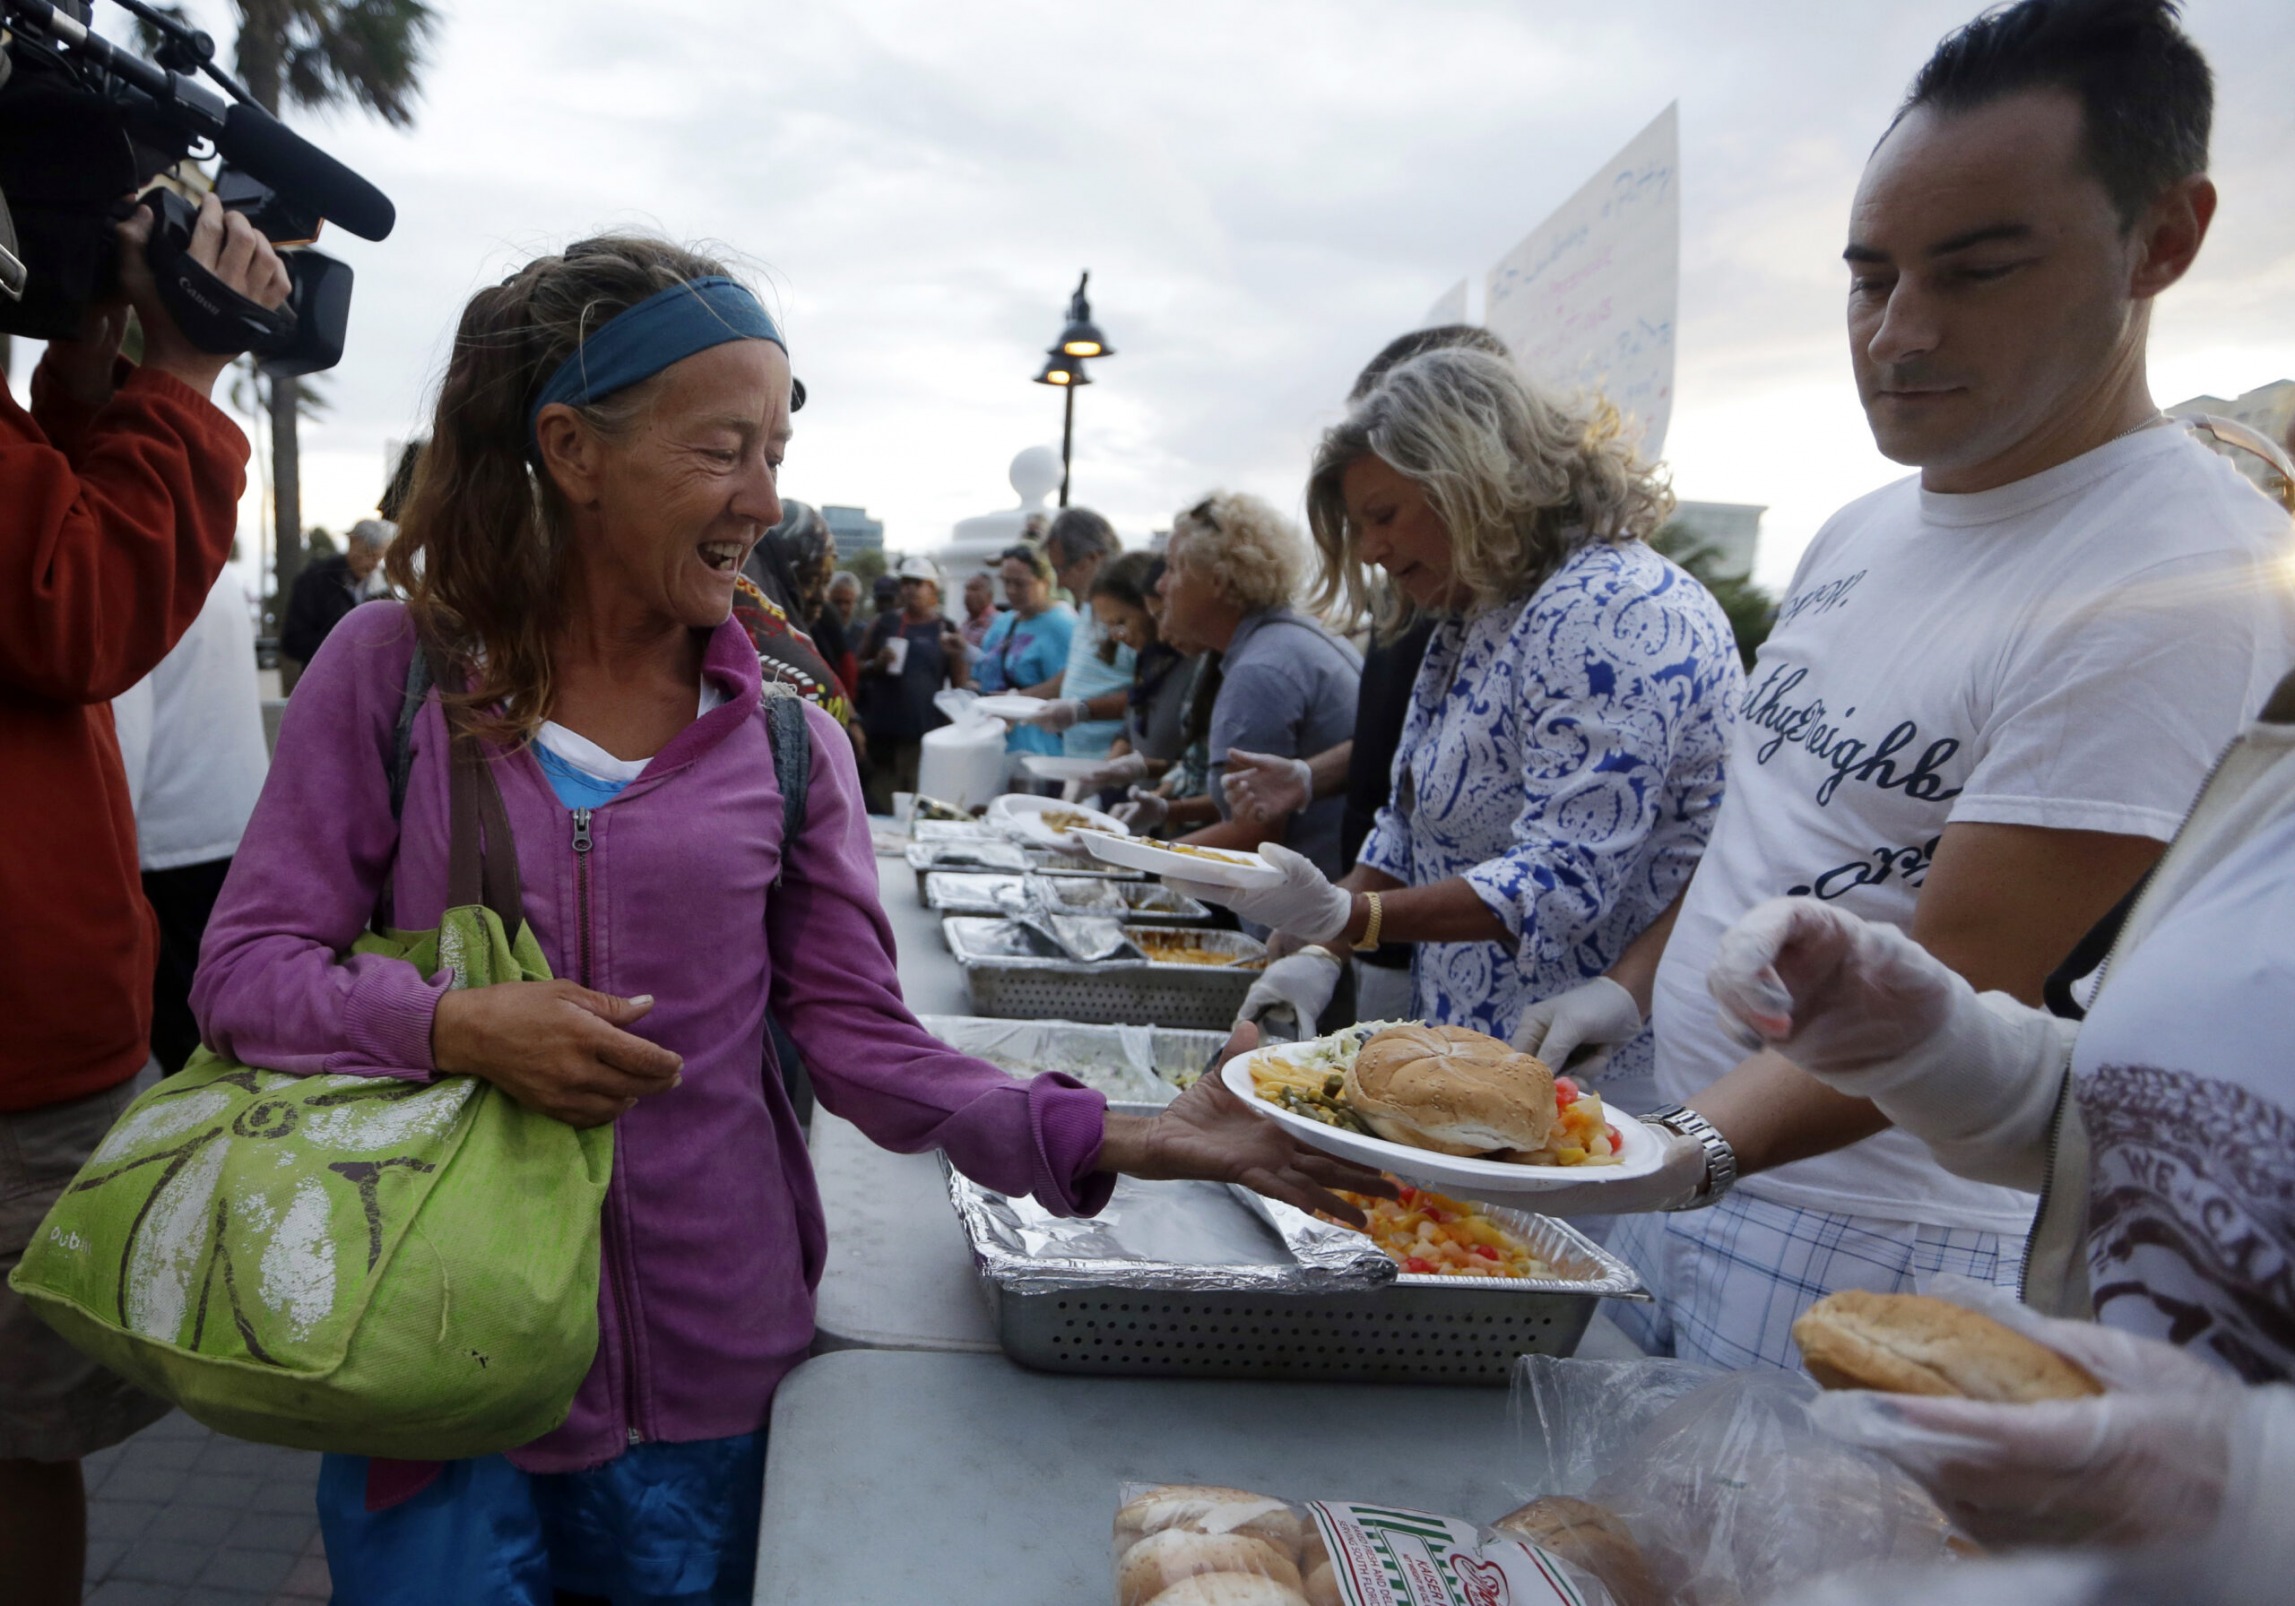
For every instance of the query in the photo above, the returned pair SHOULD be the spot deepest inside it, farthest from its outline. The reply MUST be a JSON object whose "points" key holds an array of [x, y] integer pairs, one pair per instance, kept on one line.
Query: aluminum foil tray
{"points": [[1170, 1281], [1141, 903], [969, 892], [1010, 971], [1142, 1065], [1051, 861]]}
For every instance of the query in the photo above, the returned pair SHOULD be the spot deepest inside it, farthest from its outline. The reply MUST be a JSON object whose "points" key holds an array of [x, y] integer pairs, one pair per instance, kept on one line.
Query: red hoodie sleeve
{"points": [[114, 537]]}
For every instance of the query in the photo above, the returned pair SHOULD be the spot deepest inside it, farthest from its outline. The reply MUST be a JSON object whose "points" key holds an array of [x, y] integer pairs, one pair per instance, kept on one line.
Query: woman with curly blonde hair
{"points": [[1561, 760], [1284, 684]]}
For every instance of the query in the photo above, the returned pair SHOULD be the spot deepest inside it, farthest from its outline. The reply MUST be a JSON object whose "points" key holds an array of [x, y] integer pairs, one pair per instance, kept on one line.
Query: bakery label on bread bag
{"points": [[1384, 1556]]}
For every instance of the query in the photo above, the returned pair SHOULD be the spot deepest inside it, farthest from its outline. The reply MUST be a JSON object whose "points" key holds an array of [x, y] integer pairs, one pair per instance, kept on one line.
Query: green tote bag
{"points": [[348, 1263]]}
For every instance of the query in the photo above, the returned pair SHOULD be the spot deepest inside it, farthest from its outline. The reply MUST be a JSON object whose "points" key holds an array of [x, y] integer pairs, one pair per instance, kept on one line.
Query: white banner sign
{"points": [[1450, 309], [1587, 301]]}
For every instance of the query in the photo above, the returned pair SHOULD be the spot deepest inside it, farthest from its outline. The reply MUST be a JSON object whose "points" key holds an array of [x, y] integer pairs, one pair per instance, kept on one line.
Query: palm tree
{"points": [[312, 54]]}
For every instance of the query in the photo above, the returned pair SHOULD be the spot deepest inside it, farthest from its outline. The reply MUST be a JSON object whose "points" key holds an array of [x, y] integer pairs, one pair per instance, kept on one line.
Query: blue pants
{"points": [[661, 1525]]}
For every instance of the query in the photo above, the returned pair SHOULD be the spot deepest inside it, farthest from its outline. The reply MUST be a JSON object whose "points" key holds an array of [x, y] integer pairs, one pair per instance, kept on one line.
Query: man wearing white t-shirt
{"points": [[1993, 688]]}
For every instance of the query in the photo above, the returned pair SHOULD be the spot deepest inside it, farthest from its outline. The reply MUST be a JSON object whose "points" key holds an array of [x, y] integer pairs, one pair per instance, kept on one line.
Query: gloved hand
{"points": [[1143, 810], [1675, 1185], [2151, 1460], [1304, 981], [1057, 714], [1125, 769], [1305, 904], [1871, 1013], [1596, 1015], [1262, 788]]}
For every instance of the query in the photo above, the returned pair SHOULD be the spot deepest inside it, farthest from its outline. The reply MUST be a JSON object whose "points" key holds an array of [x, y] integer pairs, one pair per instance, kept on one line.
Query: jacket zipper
{"points": [[616, 1253]]}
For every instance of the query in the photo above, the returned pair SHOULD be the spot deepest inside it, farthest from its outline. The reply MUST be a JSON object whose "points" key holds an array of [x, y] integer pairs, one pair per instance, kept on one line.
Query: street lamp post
{"points": [[1064, 367]]}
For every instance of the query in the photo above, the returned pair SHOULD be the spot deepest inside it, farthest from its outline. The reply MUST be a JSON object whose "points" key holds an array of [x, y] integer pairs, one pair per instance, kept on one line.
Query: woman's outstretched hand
{"points": [[554, 1047], [1209, 1134]]}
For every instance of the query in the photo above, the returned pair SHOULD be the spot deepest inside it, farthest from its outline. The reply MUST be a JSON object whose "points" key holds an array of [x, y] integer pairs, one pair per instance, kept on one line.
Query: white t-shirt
{"points": [[2070, 651], [2187, 1088], [191, 736]]}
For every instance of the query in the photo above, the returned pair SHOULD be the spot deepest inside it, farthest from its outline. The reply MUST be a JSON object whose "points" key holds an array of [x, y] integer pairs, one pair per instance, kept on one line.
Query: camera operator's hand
{"points": [[82, 366], [226, 245]]}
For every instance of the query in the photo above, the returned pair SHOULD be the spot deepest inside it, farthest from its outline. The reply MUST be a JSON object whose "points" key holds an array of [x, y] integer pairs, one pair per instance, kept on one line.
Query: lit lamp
{"points": [[1064, 367]]}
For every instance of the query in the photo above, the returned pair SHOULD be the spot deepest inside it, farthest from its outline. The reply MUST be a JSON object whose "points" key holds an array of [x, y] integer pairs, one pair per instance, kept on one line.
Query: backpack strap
{"points": [[419, 676], [792, 743]]}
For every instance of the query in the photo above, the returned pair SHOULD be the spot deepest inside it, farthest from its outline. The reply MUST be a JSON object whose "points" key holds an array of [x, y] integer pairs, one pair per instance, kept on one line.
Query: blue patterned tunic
{"points": [[1563, 754]]}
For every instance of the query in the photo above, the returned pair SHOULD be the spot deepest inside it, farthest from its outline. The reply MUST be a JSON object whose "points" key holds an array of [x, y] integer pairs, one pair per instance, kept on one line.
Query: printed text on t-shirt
{"points": [[1804, 724], [1818, 599]]}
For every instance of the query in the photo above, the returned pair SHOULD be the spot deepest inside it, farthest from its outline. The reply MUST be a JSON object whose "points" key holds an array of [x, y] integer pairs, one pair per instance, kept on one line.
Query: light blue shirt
{"points": [[1090, 676], [1018, 653]]}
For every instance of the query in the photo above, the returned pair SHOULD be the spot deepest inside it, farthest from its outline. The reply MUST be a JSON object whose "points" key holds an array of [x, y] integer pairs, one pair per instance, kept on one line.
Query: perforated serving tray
{"points": [[1023, 986]]}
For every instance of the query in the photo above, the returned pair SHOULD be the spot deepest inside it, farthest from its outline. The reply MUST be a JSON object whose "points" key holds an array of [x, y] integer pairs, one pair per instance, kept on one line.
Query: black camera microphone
{"points": [[242, 133]]}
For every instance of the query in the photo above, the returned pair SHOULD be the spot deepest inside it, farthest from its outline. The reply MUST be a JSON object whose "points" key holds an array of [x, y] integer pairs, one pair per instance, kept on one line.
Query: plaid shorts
{"points": [[1731, 1280], [55, 1403]]}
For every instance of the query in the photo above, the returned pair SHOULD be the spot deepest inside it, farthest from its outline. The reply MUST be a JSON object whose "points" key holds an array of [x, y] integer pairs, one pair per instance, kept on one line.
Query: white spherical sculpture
{"points": [[974, 542]]}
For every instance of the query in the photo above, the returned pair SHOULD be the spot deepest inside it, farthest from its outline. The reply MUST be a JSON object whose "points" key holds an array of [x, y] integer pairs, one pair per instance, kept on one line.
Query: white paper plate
{"points": [[1059, 767], [1241, 871], [1010, 705], [1476, 1179], [1020, 815]]}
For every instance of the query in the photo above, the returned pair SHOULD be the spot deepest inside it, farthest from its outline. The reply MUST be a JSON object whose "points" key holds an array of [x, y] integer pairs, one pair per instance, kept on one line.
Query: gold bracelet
{"points": [[1371, 926]]}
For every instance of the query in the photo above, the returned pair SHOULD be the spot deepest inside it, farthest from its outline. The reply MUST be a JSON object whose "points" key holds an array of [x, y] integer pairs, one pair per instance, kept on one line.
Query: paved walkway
{"points": [[180, 1516]]}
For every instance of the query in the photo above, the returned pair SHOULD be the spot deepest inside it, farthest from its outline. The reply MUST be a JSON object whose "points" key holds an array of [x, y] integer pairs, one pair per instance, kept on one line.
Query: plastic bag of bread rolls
{"points": [[1205, 1545], [1722, 1483]]}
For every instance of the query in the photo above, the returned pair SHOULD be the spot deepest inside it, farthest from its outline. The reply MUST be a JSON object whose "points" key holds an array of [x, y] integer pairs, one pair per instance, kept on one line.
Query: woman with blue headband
{"points": [[607, 440]]}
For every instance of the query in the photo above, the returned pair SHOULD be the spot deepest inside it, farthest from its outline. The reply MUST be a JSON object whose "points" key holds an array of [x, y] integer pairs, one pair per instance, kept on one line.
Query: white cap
{"points": [[918, 569]]}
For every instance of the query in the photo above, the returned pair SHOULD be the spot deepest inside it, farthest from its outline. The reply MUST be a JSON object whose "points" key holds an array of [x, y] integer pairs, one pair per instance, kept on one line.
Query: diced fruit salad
{"points": [[1431, 1235]]}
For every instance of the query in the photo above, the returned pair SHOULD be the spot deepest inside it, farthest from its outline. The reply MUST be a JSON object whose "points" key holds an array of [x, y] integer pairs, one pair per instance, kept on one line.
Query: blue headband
{"points": [[666, 327]]}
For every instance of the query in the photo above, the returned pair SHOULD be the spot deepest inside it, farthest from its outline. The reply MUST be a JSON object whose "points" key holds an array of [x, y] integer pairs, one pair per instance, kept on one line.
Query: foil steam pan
{"points": [[1164, 1237], [982, 854], [1131, 1064], [1581, 1266]]}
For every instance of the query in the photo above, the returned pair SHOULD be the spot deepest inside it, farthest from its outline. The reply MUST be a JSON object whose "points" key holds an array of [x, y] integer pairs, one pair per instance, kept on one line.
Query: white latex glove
{"points": [[1871, 1013], [1305, 904], [1125, 769], [1143, 810], [1304, 981], [1057, 713], [1596, 1015], [1674, 1185], [2156, 1459], [1262, 788]]}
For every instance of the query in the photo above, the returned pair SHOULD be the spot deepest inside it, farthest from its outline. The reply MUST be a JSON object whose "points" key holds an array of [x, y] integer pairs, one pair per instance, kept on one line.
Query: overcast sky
{"points": [[1264, 192]]}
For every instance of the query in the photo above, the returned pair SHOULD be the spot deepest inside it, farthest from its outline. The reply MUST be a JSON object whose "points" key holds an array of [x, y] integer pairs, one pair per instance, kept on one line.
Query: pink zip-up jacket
{"points": [[713, 1231]]}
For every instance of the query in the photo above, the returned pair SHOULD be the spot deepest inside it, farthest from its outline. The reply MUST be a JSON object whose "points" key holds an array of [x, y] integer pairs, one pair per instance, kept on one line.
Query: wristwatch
{"points": [[1720, 1158]]}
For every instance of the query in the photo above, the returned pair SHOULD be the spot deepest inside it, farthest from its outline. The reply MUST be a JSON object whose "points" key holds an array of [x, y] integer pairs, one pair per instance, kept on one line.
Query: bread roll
{"points": [[1153, 1565], [1208, 1509], [1451, 1090], [1229, 1589], [1587, 1536], [1323, 1585], [1913, 1344]]}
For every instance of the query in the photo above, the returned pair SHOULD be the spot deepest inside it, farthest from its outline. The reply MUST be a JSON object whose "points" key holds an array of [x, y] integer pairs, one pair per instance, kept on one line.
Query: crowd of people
{"points": [[1828, 921]]}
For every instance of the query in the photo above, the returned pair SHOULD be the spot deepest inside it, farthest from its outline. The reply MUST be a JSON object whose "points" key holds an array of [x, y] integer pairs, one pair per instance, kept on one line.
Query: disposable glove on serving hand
{"points": [[2175, 1450], [1262, 788], [1057, 714], [1143, 810], [1125, 769], [1302, 982], [1595, 1015], [1305, 905], [1871, 1013]]}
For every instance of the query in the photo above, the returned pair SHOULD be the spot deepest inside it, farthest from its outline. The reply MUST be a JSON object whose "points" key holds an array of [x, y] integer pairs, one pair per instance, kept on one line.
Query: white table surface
{"points": [[963, 1480], [899, 1275]]}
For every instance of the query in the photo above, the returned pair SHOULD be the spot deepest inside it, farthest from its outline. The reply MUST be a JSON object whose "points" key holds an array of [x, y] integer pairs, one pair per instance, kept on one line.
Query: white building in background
{"points": [[974, 542], [1732, 529]]}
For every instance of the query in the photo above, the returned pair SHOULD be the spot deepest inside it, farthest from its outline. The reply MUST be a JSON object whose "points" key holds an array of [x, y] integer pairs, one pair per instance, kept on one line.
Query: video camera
{"points": [[84, 124]]}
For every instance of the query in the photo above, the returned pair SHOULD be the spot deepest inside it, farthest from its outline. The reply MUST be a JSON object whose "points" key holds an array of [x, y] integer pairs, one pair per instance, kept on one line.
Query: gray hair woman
{"points": [[1561, 761], [1286, 684]]}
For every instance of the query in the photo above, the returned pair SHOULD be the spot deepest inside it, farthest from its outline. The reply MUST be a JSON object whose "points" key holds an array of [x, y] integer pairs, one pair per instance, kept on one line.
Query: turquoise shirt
{"points": [[1018, 653], [1090, 676]]}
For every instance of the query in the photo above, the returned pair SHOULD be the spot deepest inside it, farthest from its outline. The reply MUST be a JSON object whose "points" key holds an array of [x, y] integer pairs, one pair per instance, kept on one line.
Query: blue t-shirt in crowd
{"points": [[1018, 653]]}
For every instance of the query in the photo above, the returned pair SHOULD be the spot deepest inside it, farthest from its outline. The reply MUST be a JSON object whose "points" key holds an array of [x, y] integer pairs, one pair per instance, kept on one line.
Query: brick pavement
{"points": [[181, 1516]]}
